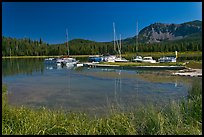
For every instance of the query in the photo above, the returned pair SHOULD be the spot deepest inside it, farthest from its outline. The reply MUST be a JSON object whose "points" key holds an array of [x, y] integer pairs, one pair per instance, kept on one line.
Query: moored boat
{"points": [[95, 58], [167, 59], [137, 59], [149, 60]]}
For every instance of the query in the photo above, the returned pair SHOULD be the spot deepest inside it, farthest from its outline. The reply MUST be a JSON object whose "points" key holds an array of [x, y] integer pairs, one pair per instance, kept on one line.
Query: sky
{"points": [[90, 20]]}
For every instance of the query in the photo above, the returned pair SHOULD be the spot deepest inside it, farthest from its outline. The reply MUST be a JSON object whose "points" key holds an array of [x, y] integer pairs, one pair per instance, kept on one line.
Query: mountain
{"points": [[159, 32]]}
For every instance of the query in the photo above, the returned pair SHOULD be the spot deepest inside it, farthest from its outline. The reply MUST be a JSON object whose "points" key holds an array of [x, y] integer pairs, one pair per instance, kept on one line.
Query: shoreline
{"points": [[189, 72]]}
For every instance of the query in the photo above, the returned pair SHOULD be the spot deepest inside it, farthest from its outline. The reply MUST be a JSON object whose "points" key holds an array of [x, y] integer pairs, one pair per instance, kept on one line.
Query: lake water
{"points": [[33, 83]]}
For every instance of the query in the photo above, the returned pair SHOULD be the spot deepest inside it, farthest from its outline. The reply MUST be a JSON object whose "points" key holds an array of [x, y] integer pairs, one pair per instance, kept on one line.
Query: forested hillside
{"points": [[191, 41]]}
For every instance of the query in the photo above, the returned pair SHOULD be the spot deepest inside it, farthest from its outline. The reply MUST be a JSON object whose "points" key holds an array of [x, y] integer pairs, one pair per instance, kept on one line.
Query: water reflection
{"points": [[89, 89], [21, 66]]}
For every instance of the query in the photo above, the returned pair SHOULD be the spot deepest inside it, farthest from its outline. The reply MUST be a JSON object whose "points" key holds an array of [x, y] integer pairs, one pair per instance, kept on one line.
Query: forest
{"points": [[28, 47]]}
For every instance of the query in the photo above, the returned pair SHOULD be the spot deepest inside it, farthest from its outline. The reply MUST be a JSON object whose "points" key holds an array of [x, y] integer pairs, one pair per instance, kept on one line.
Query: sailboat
{"points": [[120, 59], [113, 58], [66, 60], [137, 58]]}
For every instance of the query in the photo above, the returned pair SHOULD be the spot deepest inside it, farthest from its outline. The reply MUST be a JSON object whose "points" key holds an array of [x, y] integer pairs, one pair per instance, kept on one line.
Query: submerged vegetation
{"points": [[183, 117]]}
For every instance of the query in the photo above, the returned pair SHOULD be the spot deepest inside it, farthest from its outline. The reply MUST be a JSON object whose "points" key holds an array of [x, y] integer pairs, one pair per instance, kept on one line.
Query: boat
{"points": [[110, 58], [66, 59], [167, 59], [79, 65], [59, 61], [70, 62], [118, 58], [138, 59], [95, 58], [149, 60], [49, 60]]}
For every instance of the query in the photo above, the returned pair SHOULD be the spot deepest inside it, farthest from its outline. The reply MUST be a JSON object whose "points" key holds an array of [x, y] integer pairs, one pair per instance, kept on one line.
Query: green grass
{"points": [[160, 54], [191, 64], [194, 64], [128, 64], [184, 117]]}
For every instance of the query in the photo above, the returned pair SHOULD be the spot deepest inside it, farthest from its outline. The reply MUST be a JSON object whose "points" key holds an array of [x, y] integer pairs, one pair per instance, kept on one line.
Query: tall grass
{"points": [[184, 117]]}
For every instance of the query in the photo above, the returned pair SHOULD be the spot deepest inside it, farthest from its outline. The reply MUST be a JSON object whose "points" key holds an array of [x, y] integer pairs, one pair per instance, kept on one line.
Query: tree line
{"points": [[28, 47]]}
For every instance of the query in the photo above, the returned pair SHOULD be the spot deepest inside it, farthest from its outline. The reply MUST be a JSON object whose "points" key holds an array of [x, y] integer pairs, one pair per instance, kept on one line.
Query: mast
{"points": [[67, 42], [114, 36], [120, 47], [137, 37]]}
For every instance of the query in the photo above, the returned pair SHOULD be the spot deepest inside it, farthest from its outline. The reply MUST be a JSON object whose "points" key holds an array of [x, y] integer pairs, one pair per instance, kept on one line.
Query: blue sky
{"points": [[90, 20]]}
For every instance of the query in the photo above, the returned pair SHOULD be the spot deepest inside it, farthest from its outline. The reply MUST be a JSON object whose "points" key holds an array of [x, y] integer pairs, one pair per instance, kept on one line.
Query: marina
{"points": [[72, 88], [106, 75]]}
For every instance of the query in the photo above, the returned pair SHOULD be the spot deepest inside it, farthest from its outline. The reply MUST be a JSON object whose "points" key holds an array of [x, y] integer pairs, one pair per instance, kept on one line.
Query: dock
{"points": [[89, 64], [95, 64]]}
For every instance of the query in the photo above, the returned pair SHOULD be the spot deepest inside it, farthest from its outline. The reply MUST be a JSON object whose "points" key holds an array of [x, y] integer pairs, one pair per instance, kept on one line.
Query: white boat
{"points": [[79, 65], [119, 59], [149, 60], [167, 59], [49, 60], [110, 58], [59, 61], [138, 59], [66, 60], [69, 62]]}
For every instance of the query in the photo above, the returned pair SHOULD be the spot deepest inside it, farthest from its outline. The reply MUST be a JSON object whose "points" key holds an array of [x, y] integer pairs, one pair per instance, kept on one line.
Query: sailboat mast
{"points": [[120, 47], [114, 36], [137, 37], [67, 42]]}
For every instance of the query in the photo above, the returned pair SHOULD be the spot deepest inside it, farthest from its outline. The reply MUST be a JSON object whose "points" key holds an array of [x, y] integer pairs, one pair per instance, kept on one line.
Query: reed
{"points": [[183, 117]]}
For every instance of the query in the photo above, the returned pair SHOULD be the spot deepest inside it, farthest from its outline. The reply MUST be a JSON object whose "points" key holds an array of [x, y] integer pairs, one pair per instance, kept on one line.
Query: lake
{"points": [[33, 83]]}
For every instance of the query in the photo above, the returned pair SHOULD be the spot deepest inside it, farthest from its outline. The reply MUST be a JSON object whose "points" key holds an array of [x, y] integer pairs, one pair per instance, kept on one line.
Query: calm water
{"points": [[35, 84]]}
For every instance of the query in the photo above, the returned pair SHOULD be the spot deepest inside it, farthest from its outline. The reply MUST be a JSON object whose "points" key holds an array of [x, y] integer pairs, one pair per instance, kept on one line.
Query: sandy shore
{"points": [[189, 72]]}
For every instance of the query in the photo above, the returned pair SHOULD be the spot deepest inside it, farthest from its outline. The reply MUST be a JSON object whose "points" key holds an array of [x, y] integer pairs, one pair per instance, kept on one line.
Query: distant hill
{"points": [[162, 37], [159, 32]]}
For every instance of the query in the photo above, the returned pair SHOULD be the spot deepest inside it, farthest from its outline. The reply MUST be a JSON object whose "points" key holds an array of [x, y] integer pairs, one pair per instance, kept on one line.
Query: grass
{"points": [[184, 117], [191, 64], [128, 64], [194, 64], [160, 54]]}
